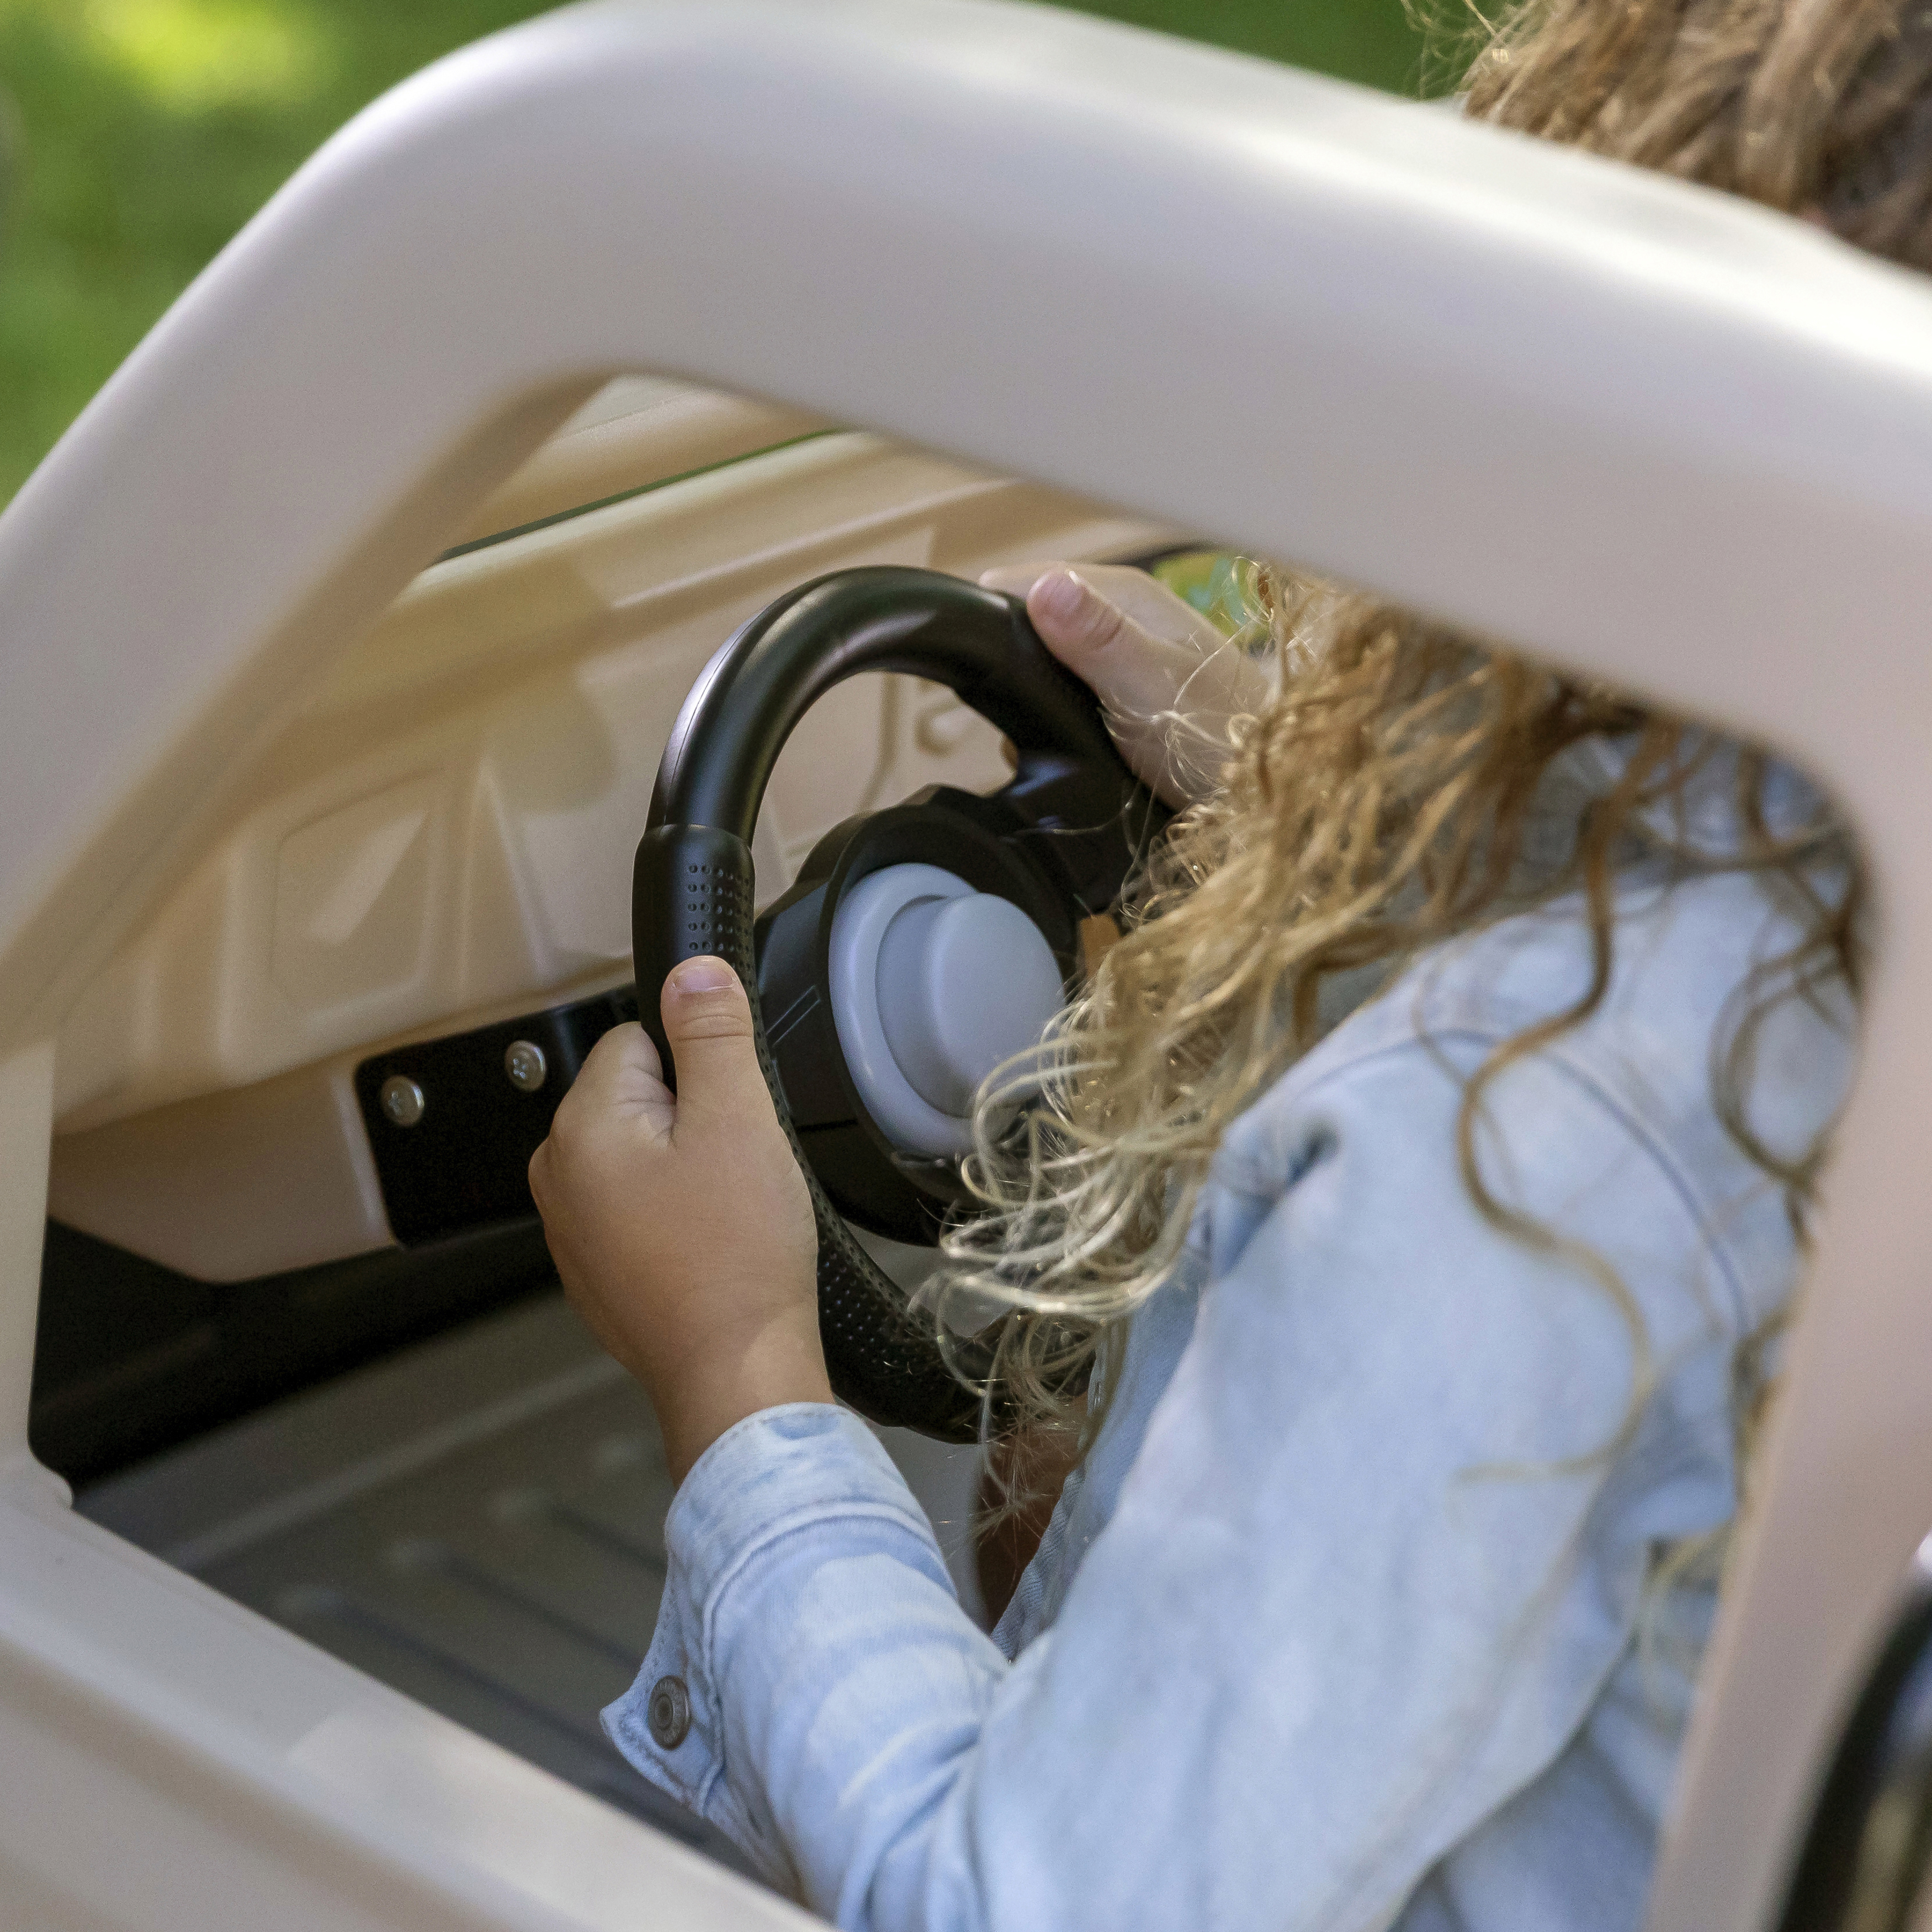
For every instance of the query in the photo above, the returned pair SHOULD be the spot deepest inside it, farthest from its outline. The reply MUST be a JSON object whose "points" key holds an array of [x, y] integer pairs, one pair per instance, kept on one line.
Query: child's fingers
{"points": [[1137, 676], [1141, 597], [621, 1071], [619, 1085], [1136, 672], [1142, 649], [1169, 695]]}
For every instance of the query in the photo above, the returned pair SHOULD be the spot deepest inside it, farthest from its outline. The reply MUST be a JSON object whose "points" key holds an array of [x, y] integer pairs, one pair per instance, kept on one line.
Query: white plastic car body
{"points": [[264, 802]]}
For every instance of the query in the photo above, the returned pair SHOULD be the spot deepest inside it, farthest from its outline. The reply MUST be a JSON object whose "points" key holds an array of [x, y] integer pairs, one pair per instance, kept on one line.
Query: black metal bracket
{"points": [[452, 1122]]}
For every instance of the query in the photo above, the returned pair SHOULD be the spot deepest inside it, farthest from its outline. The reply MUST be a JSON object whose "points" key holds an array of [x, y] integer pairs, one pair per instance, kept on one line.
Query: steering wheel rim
{"points": [[1073, 806]]}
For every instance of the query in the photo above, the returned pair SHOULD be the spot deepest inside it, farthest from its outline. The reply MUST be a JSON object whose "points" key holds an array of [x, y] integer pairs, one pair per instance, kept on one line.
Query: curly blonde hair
{"points": [[1384, 801]]}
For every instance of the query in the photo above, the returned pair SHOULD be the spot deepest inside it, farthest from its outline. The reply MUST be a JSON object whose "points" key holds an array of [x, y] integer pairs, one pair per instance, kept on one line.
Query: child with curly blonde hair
{"points": [[1416, 1193]]}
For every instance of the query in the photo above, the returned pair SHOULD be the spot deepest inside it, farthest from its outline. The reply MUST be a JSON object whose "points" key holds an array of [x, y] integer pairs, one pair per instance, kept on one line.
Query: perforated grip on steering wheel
{"points": [[692, 894]]}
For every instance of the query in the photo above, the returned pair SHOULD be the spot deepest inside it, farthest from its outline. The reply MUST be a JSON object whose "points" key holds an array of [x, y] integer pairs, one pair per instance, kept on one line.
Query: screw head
{"points": [[402, 1100], [523, 1061]]}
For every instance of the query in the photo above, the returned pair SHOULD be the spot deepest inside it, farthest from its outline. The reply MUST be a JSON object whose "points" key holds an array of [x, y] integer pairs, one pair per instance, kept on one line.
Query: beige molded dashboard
{"points": [[441, 834]]}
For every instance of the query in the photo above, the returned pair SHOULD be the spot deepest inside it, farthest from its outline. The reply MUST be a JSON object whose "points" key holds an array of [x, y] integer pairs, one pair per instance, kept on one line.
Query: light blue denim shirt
{"points": [[1358, 1614]]}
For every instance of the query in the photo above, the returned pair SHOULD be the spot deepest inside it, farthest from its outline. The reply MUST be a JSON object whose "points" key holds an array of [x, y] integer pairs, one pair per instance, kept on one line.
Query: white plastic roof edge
{"points": [[1676, 440]]}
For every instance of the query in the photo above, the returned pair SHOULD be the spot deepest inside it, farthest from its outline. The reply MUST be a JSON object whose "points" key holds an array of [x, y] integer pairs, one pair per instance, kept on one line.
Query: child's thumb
{"points": [[707, 1019]]}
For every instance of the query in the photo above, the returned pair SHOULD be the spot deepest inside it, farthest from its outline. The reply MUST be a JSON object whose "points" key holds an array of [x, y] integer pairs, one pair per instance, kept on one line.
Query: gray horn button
{"points": [[934, 985]]}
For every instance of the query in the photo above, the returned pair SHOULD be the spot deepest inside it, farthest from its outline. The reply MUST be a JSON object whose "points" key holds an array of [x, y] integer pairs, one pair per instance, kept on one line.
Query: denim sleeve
{"points": [[1383, 1545], [798, 1554]]}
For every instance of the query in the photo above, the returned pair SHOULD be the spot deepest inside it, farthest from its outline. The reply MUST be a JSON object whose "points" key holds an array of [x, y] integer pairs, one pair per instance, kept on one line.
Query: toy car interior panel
{"points": [[344, 636]]}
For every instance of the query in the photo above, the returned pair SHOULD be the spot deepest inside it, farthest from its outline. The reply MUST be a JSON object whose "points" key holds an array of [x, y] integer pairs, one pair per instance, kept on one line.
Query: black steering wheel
{"points": [[964, 897]]}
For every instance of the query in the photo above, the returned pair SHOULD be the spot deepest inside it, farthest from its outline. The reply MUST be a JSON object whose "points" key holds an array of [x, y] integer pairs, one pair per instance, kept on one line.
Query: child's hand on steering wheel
{"points": [[1170, 683], [680, 1224]]}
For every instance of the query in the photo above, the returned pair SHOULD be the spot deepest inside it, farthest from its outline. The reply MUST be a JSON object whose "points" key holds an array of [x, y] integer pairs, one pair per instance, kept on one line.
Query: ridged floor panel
{"points": [[479, 1523]]}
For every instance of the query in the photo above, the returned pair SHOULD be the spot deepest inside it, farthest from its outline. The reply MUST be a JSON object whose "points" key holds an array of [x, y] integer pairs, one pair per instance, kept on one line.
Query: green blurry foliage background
{"points": [[139, 135]]}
